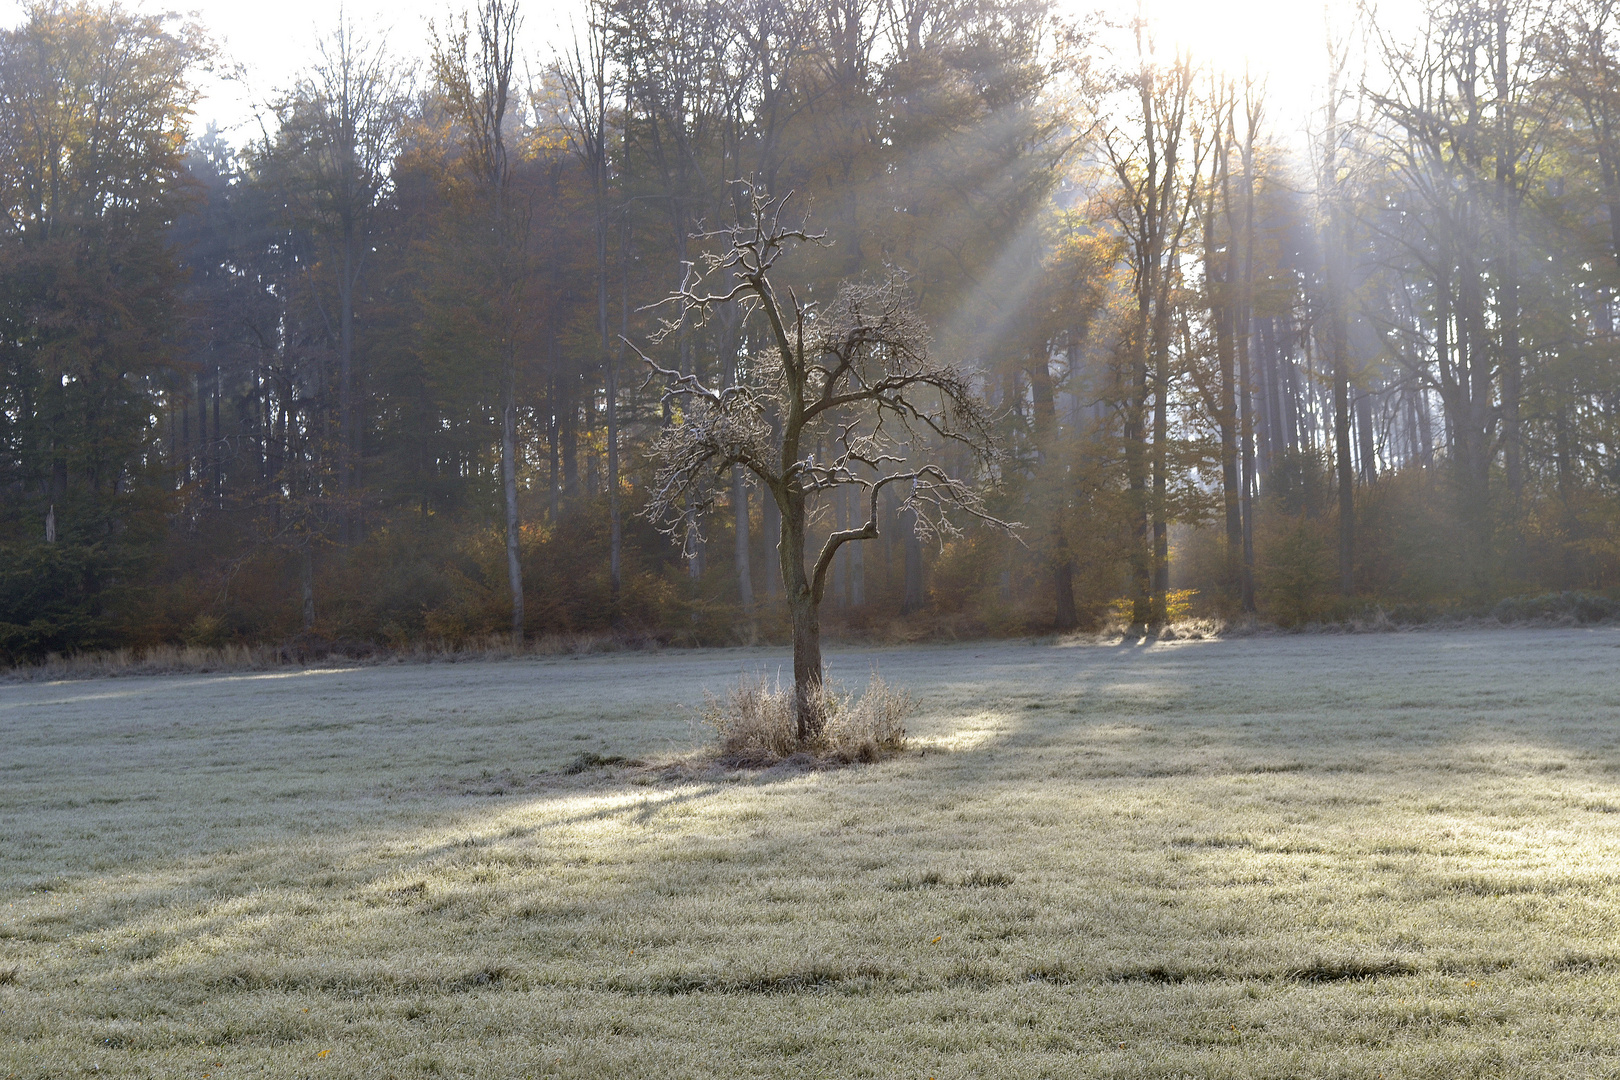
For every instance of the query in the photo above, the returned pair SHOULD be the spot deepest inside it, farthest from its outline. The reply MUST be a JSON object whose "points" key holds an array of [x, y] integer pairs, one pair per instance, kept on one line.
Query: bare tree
{"points": [[855, 378], [1468, 109], [588, 85], [340, 129], [1337, 223], [474, 70], [1153, 206]]}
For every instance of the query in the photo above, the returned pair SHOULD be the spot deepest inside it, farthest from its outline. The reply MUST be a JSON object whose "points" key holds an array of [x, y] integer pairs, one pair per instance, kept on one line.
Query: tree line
{"points": [[395, 370]]}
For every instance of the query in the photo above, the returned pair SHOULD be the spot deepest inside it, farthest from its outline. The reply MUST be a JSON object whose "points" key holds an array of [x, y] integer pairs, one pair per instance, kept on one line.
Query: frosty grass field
{"points": [[1389, 855]]}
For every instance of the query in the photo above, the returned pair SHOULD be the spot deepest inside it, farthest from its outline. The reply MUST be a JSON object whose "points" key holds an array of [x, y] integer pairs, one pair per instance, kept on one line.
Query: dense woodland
{"points": [[377, 375]]}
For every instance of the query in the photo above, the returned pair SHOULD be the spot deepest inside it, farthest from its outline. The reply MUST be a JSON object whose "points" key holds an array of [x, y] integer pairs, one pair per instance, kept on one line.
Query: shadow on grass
{"points": [[1172, 736]]}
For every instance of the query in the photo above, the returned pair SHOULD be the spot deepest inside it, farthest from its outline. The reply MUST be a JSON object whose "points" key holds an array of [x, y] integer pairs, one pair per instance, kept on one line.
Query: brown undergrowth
{"points": [[310, 649]]}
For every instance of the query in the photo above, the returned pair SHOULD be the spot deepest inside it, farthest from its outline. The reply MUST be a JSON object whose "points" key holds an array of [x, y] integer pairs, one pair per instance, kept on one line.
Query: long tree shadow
{"points": [[1180, 786]]}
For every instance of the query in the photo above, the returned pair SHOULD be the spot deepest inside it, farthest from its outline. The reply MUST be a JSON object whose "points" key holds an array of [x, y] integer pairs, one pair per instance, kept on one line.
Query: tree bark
{"points": [[1366, 448], [804, 609], [514, 564], [745, 575], [912, 601], [1245, 340], [807, 671], [840, 582], [1061, 564], [771, 520], [306, 567], [1346, 468], [857, 575], [346, 384]]}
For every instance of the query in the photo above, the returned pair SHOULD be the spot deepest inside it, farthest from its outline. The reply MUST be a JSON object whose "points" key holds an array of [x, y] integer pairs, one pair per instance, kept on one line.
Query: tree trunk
{"points": [[345, 385], [306, 576], [912, 600], [617, 540], [1044, 410], [840, 580], [807, 672], [1161, 479], [1367, 449], [804, 609], [1136, 470], [1346, 469], [741, 538], [514, 565], [1067, 617], [1226, 420], [217, 464], [1244, 334], [1247, 479], [1507, 154], [857, 575], [568, 429], [616, 532], [771, 521], [745, 576]]}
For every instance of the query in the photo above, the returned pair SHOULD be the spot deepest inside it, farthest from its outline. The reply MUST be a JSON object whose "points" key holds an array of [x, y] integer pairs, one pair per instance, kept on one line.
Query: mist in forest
{"points": [[393, 366]]}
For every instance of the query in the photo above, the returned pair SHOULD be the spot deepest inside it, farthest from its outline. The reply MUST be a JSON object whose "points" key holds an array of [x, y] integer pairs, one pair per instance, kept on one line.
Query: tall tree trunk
{"points": [[1226, 418], [346, 385], [1246, 461], [1346, 468], [730, 328], [857, 575], [568, 428], [1043, 407], [1136, 471], [745, 574], [1508, 288], [912, 600], [771, 521], [186, 451], [610, 361], [217, 466], [615, 529], [840, 584], [1337, 253], [514, 564], [553, 424], [306, 580], [1161, 482], [1366, 448], [1244, 332]]}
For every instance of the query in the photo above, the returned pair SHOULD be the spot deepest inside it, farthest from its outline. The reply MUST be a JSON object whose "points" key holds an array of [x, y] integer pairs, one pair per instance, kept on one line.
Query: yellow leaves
{"points": [[541, 144], [323, 1053], [937, 940], [1178, 605]]}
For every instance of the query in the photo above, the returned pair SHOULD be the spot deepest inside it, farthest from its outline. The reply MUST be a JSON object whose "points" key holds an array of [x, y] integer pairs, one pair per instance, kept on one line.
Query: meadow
{"points": [[1390, 855]]}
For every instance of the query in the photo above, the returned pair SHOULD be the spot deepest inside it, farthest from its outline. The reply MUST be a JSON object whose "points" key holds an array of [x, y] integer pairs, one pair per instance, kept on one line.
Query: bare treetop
{"points": [[844, 395]]}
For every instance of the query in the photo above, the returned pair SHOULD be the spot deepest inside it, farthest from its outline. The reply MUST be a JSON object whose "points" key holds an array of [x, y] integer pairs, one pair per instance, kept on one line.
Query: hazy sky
{"points": [[1281, 39]]}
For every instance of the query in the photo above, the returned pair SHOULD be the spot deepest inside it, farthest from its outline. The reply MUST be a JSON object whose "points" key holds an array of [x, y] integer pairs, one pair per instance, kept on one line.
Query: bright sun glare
{"points": [[1280, 43]]}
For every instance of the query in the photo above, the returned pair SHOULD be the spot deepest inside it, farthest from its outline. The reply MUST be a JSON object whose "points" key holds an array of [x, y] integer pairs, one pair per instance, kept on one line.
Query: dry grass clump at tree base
{"points": [[755, 722]]}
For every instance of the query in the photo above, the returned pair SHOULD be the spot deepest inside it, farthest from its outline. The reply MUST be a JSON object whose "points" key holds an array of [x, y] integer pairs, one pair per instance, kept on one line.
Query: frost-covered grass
{"points": [[1392, 855]]}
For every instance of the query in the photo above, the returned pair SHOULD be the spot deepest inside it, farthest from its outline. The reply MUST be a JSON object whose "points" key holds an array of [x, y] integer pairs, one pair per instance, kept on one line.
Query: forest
{"points": [[389, 372]]}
